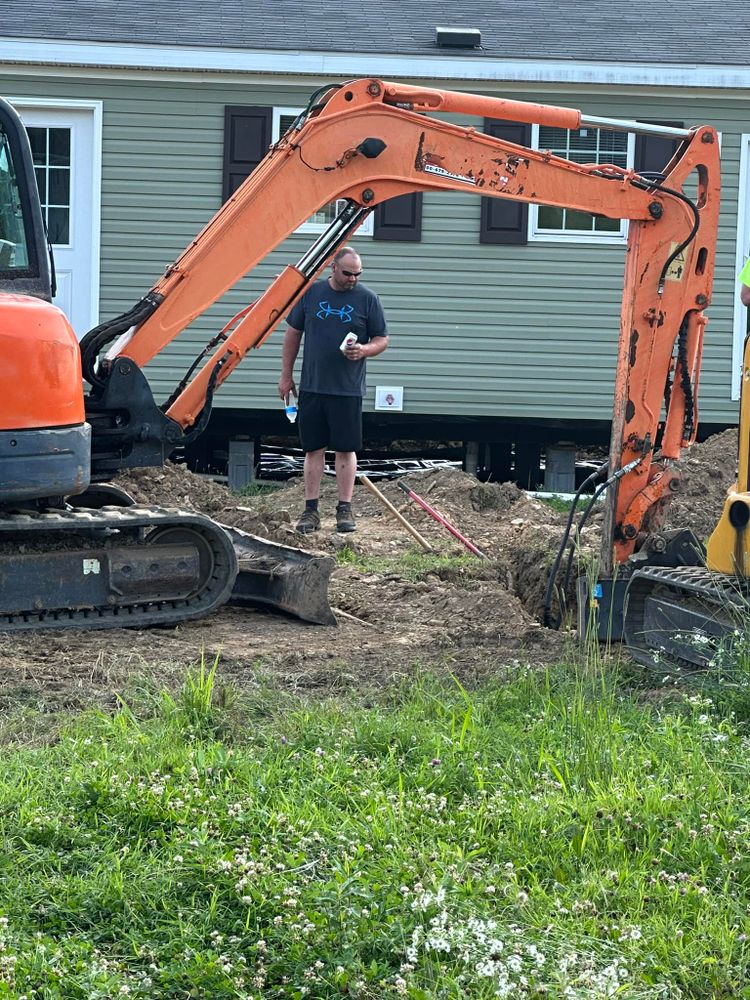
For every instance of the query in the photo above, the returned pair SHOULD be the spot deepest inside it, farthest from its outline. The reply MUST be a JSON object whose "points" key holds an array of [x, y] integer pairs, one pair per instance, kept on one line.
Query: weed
{"points": [[414, 564], [257, 488], [557, 503]]}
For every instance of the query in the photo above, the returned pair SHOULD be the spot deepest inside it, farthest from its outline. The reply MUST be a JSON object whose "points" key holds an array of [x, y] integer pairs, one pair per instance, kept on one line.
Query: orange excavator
{"points": [[362, 143]]}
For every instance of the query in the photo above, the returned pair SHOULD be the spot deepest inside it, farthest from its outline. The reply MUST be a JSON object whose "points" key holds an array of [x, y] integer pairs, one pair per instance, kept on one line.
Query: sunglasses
{"points": [[351, 274]]}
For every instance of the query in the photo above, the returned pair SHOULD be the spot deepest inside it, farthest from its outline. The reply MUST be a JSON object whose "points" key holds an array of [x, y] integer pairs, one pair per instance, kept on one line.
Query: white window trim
{"points": [[366, 229], [536, 235]]}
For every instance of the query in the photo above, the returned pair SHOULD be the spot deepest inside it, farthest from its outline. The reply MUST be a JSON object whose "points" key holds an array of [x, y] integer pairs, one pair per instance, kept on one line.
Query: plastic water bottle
{"points": [[290, 407]]}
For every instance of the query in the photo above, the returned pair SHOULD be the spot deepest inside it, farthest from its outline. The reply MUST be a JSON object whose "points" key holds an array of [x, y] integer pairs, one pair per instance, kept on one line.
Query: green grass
{"points": [[414, 564], [547, 836], [258, 488], [557, 503]]}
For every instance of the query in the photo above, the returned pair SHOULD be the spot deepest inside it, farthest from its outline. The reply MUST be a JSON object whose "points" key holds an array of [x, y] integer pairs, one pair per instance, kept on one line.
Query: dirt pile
{"points": [[708, 470]]}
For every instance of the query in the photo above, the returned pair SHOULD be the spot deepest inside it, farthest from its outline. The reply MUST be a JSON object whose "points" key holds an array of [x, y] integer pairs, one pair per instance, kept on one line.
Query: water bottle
{"points": [[290, 407]]}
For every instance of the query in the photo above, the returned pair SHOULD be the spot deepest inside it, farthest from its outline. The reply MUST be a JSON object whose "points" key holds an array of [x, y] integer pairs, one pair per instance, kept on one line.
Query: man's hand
{"points": [[355, 352], [373, 347], [286, 385]]}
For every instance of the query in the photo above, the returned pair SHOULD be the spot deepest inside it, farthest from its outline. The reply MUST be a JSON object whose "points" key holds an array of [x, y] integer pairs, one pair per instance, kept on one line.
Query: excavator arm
{"points": [[368, 141]]}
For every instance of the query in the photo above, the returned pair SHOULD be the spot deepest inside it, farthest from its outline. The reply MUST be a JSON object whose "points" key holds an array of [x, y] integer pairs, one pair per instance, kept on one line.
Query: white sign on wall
{"points": [[389, 397]]}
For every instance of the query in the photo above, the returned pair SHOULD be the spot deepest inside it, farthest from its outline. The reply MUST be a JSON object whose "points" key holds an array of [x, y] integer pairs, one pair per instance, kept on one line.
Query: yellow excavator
{"points": [[73, 552]]}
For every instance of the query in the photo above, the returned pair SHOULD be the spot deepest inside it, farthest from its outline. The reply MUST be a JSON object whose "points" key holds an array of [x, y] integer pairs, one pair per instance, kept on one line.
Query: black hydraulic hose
{"points": [[311, 105], [94, 342], [650, 182], [202, 420], [690, 237], [566, 537], [547, 619], [214, 342], [571, 551], [687, 385]]}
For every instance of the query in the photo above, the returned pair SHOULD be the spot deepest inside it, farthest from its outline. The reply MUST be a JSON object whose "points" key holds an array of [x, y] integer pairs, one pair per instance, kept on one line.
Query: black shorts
{"points": [[333, 422]]}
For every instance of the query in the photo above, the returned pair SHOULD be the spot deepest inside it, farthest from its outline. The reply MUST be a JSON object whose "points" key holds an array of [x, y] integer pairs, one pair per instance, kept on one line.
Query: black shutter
{"points": [[399, 219], [653, 152], [247, 136], [505, 221]]}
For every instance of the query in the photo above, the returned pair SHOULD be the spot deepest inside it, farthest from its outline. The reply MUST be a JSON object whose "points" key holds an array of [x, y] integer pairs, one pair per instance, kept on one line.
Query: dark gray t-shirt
{"points": [[326, 316]]}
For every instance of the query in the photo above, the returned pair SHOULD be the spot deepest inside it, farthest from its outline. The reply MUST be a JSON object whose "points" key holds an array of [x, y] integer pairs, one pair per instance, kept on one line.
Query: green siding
{"points": [[526, 332]]}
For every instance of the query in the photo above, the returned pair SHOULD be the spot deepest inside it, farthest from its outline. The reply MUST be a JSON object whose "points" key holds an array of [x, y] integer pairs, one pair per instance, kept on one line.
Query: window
{"points": [[14, 255], [282, 120], [51, 151], [584, 145]]}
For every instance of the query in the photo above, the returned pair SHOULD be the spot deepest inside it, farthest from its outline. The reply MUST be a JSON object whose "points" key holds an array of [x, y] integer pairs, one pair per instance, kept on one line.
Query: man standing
{"points": [[333, 378]]}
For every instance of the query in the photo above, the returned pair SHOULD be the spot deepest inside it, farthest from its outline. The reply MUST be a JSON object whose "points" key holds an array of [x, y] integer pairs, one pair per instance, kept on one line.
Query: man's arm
{"points": [[745, 295], [369, 350], [289, 352]]}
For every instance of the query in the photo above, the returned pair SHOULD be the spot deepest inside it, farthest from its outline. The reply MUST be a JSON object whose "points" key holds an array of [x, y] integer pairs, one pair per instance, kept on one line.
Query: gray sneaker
{"points": [[344, 518], [309, 521]]}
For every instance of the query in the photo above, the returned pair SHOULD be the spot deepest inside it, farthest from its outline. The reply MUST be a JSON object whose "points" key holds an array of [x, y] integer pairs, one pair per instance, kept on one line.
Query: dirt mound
{"points": [[708, 470], [175, 486]]}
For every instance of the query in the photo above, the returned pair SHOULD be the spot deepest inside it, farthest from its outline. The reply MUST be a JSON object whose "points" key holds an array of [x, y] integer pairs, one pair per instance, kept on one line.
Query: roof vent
{"points": [[458, 38]]}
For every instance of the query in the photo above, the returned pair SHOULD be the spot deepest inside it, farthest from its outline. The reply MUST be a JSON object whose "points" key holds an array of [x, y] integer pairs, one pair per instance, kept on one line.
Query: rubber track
{"points": [[36, 527], [725, 598]]}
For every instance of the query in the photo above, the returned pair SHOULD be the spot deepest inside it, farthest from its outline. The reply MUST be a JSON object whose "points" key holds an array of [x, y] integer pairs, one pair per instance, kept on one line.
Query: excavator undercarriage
{"points": [[686, 618], [116, 567]]}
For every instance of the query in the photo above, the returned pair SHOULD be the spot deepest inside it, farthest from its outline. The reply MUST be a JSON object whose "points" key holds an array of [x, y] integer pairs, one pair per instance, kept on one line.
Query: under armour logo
{"points": [[326, 309]]}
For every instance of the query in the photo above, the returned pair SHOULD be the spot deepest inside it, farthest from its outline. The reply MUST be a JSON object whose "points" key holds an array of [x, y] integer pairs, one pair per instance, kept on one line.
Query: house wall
{"points": [[520, 333]]}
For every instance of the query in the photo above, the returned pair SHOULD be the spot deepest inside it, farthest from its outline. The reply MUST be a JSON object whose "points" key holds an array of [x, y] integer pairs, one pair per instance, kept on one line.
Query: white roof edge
{"points": [[352, 65]]}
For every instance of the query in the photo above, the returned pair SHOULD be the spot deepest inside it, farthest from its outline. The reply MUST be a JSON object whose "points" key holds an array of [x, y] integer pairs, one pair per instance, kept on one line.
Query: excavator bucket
{"points": [[281, 577]]}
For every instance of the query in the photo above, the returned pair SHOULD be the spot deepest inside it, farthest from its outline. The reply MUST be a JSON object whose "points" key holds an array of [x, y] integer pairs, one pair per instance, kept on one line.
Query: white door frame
{"points": [[742, 253], [96, 107]]}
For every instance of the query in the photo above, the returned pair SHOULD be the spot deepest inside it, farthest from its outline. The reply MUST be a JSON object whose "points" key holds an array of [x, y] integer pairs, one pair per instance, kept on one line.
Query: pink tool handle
{"points": [[441, 520]]}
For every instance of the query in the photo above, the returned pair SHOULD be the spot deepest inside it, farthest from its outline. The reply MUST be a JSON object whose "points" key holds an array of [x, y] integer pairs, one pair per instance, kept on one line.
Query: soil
{"points": [[708, 471], [469, 617]]}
